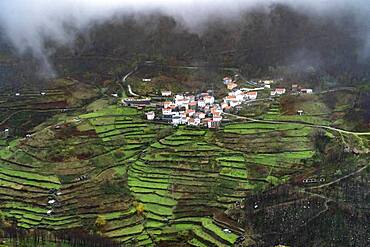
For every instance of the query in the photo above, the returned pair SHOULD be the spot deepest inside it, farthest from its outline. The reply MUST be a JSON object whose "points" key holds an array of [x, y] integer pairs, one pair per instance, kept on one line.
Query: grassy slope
{"points": [[181, 180]]}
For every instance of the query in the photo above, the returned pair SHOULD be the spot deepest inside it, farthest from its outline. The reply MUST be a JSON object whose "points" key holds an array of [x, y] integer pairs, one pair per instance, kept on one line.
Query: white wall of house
{"points": [[201, 103]]}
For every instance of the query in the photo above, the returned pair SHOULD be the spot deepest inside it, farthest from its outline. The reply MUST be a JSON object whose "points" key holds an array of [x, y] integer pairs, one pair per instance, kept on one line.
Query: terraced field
{"points": [[275, 114], [22, 110], [141, 183], [272, 152], [182, 184]]}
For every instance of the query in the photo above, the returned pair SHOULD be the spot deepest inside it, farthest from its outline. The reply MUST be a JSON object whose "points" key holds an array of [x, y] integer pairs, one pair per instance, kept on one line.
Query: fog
{"points": [[29, 24]]}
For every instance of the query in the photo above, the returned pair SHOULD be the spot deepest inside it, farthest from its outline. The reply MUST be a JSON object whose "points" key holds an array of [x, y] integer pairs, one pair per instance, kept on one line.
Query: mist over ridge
{"points": [[31, 26]]}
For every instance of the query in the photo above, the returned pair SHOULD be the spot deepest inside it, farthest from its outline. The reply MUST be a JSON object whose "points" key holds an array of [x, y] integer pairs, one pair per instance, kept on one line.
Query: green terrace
{"points": [[275, 114], [142, 183]]}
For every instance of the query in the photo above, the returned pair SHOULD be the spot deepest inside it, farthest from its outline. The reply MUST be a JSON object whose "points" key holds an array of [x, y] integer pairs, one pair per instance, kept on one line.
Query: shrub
{"points": [[100, 221], [162, 133], [183, 235], [118, 154], [140, 208], [320, 140], [118, 188]]}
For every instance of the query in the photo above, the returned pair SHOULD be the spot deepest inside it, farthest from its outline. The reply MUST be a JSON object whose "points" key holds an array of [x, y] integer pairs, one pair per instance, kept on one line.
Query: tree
{"points": [[162, 133], [100, 221], [140, 208]]}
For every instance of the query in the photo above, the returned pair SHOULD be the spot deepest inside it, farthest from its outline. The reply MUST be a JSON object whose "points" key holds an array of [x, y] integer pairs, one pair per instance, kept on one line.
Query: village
{"points": [[203, 109]]}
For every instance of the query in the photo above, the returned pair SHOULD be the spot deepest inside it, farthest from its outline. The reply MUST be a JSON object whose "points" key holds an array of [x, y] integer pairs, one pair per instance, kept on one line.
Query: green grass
{"points": [[29, 182], [263, 126], [185, 132], [188, 171], [198, 231], [153, 198], [158, 209], [118, 214], [280, 159], [195, 242], [24, 208], [296, 118], [111, 111], [238, 173], [28, 175], [209, 225], [137, 229]]}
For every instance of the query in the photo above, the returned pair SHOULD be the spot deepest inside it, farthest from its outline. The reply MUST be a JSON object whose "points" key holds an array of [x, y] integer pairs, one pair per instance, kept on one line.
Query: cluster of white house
{"points": [[278, 91], [238, 97], [297, 89], [201, 110], [186, 109]]}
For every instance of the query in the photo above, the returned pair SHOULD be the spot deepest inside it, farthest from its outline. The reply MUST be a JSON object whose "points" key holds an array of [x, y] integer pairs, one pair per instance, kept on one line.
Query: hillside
{"points": [[239, 123], [103, 169]]}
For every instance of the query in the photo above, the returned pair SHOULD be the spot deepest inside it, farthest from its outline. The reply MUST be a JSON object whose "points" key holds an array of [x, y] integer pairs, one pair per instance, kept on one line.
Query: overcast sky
{"points": [[28, 22]]}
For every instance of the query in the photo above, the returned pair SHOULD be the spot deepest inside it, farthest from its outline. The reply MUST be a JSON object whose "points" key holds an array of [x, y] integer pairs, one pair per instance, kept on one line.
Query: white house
{"points": [[194, 122], [166, 93], [176, 120], [193, 104], [224, 105], [182, 103], [240, 97], [306, 91], [190, 112], [216, 110], [150, 115], [147, 80], [229, 98], [213, 124], [201, 115], [179, 96], [280, 91], [209, 100], [267, 82], [167, 104], [234, 103], [217, 117], [201, 103], [167, 111], [251, 95], [176, 114]]}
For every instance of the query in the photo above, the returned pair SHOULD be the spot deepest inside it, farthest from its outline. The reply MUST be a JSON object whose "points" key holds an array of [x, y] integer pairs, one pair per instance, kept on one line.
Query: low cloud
{"points": [[30, 24]]}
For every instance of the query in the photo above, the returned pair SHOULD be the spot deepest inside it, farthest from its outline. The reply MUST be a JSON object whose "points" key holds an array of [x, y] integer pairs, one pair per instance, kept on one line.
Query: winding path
{"points": [[340, 179], [124, 79]]}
